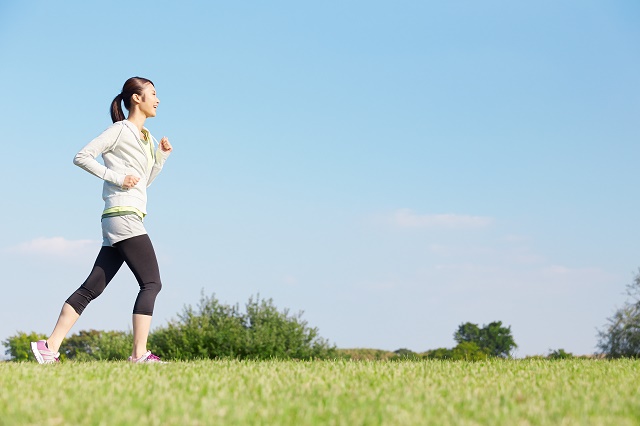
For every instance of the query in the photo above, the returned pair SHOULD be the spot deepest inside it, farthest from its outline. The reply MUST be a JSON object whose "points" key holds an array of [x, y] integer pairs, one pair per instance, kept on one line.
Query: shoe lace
{"points": [[153, 357]]}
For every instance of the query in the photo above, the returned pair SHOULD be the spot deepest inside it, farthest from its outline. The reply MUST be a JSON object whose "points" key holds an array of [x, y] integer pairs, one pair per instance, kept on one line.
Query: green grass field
{"points": [[511, 392]]}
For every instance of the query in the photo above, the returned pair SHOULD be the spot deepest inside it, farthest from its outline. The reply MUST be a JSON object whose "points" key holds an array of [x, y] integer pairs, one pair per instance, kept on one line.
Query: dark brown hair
{"points": [[132, 86]]}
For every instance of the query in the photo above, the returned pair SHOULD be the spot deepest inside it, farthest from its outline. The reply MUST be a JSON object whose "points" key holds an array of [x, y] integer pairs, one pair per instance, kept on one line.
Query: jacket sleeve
{"points": [[86, 158], [161, 157]]}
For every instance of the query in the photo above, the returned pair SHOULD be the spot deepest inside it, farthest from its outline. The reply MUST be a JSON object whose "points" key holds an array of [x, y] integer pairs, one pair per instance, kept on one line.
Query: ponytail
{"points": [[116, 109], [134, 85]]}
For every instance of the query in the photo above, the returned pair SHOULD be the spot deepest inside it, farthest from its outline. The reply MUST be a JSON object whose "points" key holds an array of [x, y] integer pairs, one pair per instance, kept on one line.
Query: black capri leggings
{"points": [[139, 255]]}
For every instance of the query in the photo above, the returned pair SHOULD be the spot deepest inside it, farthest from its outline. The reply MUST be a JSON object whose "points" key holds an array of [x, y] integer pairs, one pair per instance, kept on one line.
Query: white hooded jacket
{"points": [[124, 154]]}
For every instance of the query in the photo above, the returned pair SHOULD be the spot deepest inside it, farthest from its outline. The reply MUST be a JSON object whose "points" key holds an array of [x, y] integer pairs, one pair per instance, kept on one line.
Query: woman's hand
{"points": [[130, 181], [165, 145]]}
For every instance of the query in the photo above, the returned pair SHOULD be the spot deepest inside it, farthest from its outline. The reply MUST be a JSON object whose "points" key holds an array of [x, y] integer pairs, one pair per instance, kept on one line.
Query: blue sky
{"points": [[392, 169]]}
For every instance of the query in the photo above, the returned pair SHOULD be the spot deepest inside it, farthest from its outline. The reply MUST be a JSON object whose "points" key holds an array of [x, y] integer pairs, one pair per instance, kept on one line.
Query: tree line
{"points": [[261, 331]]}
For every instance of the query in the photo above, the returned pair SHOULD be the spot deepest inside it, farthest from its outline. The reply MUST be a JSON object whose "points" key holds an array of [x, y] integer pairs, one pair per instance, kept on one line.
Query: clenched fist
{"points": [[165, 145], [130, 181]]}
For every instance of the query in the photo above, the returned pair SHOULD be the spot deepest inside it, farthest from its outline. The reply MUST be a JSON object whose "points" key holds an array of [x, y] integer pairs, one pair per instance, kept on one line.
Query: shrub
{"points": [[271, 333], [360, 354], [212, 330], [560, 354], [469, 351], [439, 353], [404, 354], [464, 351], [215, 330], [97, 345]]}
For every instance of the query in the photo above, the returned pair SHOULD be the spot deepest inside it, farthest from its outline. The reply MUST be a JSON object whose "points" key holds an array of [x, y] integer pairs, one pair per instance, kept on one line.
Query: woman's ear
{"points": [[135, 98]]}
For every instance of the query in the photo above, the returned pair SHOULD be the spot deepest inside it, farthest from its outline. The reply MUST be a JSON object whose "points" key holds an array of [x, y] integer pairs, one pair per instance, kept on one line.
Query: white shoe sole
{"points": [[36, 352]]}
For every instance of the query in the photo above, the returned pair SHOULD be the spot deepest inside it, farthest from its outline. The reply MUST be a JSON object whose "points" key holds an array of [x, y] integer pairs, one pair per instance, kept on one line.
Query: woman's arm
{"points": [[86, 158], [163, 151]]}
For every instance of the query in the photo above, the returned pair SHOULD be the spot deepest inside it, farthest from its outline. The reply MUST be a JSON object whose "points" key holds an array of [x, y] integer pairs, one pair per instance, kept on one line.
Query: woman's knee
{"points": [[81, 298], [151, 287]]}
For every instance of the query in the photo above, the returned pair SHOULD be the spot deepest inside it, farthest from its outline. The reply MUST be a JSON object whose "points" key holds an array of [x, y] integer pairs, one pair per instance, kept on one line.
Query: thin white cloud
{"points": [[55, 246], [407, 218]]}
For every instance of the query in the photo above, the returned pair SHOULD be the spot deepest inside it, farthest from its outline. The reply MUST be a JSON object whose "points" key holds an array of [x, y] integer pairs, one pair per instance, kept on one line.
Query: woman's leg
{"points": [[66, 320], [140, 256], [141, 327], [105, 268]]}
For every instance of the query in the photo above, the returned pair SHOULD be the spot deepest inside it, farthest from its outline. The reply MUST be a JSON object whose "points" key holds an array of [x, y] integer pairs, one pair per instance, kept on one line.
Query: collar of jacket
{"points": [[134, 128]]}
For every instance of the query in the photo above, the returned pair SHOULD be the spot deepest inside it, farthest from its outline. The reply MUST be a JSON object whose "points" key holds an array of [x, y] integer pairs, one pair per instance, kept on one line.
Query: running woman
{"points": [[131, 163]]}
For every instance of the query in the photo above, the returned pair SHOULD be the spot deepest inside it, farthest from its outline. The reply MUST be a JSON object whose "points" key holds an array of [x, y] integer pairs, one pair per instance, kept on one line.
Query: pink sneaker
{"points": [[148, 357], [43, 354]]}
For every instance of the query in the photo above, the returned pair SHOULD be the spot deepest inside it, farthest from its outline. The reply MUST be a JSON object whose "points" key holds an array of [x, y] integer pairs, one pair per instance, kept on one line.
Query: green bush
{"points": [[212, 330], [469, 351], [439, 353], [560, 354], [274, 334], [97, 345], [215, 330], [18, 347], [404, 354], [365, 354], [464, 351]]}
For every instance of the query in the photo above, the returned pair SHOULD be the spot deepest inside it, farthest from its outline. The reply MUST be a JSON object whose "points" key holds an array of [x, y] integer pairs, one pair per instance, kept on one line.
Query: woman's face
{"points": [[149, 101]]}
